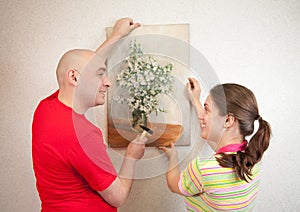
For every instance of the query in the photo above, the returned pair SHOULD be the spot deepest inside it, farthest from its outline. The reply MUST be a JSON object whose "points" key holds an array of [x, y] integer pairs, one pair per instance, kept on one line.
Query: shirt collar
{"points": [[233, 147]]}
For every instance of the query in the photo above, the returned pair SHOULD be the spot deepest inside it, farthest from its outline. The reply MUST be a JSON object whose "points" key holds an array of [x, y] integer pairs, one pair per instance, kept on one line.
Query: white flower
{"points": [[145, 80]]}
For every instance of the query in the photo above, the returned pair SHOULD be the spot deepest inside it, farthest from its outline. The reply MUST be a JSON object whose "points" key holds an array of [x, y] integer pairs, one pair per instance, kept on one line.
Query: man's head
{"points": [[82, 79]]}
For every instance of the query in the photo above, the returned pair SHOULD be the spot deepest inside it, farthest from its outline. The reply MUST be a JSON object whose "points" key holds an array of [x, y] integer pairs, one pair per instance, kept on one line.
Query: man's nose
{"points": [[106, 82]]}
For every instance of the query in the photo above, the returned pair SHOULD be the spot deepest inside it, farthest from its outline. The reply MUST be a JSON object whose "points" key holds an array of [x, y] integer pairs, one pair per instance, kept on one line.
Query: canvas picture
{"points": [[148, 71]]}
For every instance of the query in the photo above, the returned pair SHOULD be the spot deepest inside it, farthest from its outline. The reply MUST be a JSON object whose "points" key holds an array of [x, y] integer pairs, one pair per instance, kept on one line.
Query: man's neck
{"points": [[65, 99]]}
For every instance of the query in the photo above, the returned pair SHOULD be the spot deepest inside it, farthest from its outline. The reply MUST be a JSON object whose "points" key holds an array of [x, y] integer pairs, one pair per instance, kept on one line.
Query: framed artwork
{"points": [[168, 44]]}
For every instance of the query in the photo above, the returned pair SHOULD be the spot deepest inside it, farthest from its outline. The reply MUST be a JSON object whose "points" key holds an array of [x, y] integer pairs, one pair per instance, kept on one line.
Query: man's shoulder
{"points": [[48, 99], [49, 108], [51, 97]]}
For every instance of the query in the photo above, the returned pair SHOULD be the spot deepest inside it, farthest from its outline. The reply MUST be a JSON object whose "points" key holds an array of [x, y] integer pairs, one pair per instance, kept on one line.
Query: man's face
{"points": [[103, 84], [93, 83]]}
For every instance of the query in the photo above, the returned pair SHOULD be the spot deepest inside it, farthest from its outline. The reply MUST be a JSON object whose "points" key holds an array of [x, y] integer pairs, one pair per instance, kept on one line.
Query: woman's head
{"points": [[240, 103]]}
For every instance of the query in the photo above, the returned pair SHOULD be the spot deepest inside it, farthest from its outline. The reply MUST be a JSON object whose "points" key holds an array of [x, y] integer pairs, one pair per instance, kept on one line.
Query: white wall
{"points": [[251, 42]]}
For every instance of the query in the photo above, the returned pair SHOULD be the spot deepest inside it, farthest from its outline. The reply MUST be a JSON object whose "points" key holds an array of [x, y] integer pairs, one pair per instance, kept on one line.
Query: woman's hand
{"points": [[170, 151], [194, 91]]}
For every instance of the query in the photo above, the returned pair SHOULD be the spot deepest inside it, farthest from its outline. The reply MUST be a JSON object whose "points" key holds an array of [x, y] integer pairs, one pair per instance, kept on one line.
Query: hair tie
{"points": [[258, 117]]}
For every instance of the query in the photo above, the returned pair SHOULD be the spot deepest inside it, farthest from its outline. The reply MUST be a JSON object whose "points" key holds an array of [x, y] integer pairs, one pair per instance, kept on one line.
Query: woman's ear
{"points": [[73, 76], [229, 120]]}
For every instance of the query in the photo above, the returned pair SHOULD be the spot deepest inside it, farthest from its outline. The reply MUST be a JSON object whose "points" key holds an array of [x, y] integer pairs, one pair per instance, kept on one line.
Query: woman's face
{"points": [[211, 123]]}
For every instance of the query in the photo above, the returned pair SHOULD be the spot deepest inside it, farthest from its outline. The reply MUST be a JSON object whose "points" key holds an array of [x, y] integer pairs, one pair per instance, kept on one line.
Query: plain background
{"points": [[251, 42]]}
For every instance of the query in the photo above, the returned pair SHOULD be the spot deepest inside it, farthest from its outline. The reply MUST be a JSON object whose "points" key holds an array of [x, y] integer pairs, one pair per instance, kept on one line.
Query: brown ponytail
{"points": [[240, 101]]}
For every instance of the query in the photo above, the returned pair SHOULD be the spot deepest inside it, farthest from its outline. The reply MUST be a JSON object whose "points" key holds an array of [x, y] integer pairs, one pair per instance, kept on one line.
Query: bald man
{"points": [[72, 168]]}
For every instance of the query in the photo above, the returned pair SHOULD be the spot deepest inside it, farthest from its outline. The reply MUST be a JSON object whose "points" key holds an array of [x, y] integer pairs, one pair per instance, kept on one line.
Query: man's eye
{"points": [[102, 74]]}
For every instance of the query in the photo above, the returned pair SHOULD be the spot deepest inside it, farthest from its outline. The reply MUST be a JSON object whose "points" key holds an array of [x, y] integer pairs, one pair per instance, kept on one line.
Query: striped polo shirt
{"points": [[211, 187]]}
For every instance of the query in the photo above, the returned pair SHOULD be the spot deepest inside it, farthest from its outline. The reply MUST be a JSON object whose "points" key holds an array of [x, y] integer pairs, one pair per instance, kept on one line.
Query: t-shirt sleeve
{"points": [[190, 182], [97, 171]]}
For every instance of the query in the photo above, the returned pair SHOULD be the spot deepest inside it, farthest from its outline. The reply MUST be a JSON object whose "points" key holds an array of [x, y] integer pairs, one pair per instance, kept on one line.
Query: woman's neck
{"points": [[230, 137]]}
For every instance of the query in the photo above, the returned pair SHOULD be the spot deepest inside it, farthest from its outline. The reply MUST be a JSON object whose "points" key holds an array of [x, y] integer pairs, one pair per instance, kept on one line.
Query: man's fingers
{"points": [[140, 139], [144, 133], [143, 140], [134, 25]]}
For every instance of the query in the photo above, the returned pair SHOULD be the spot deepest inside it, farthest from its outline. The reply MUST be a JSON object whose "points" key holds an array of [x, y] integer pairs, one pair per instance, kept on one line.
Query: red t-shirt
{"points": [[69, 160]]}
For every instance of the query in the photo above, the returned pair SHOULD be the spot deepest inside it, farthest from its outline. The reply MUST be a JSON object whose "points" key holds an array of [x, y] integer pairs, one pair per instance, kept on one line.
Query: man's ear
{"points": [[229, 120], [73, 76]]}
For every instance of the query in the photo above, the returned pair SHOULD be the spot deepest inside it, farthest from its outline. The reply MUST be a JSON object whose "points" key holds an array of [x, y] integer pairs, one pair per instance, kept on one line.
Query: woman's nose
{"points": [[201, 115]]}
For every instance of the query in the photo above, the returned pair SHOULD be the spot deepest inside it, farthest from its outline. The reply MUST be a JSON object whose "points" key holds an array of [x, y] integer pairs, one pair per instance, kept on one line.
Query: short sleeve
{"points": [[190, 182], [98, 178]]}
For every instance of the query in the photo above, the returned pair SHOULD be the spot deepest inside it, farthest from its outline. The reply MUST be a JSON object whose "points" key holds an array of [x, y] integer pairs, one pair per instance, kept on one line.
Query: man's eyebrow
{"points": [[102, 69]]}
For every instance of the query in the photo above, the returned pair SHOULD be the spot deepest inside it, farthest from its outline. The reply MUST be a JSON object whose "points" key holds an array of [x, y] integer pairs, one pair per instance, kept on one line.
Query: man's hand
{"points": [[135, 150], [123, 27]]}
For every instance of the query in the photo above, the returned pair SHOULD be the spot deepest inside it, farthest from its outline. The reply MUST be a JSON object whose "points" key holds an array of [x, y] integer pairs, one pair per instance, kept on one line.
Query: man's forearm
{"points": [[126, 173], [119, 190], [108, 42]]}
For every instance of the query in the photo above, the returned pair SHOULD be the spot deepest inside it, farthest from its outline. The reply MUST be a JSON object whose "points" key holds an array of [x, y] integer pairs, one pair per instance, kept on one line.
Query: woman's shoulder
{"points": [[209, 165], [206, 161]]}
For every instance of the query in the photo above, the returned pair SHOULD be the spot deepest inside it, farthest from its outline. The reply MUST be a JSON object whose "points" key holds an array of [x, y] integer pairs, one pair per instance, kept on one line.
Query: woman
{"points": [[230, 179]]}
